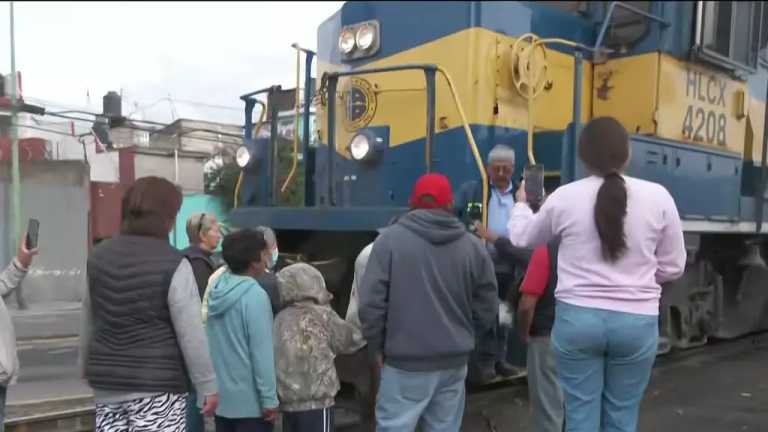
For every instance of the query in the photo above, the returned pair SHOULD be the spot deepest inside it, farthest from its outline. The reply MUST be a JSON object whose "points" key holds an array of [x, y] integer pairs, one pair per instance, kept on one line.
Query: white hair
{"points": [[500, 152], [269, 235]]}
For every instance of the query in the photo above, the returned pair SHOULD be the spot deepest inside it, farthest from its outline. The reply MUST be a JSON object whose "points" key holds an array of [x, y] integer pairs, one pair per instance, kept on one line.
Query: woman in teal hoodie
{"points": [[240, 337]]}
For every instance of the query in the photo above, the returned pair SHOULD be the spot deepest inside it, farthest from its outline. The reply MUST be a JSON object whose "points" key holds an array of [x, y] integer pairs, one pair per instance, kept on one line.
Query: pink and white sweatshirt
{"points": [[655, 248]]}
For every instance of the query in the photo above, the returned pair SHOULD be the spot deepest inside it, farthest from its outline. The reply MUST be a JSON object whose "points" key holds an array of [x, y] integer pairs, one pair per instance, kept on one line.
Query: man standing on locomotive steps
{"points": [[490, 358], [428, 288]]}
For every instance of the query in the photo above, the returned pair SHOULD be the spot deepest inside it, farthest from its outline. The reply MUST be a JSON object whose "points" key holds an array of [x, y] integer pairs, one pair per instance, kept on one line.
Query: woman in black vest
{"points": [[142, 334], [204, 237]]}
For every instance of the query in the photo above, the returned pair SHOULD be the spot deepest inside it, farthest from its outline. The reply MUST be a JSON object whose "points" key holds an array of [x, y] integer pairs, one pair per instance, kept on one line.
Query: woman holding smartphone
{"points": [[620, 239]]}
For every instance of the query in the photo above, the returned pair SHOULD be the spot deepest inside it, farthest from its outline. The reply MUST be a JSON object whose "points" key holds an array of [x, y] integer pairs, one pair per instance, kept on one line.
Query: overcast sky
{"points": [[193, 51]]}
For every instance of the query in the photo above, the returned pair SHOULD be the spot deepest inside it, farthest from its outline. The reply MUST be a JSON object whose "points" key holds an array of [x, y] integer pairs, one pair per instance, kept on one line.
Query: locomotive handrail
{"points": [[429, 74], [250, 95], [269, 191], [296, 105], [528, 52], [472, 143]]}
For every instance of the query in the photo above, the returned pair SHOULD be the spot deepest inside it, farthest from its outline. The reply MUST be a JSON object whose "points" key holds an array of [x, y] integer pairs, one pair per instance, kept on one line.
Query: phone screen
{"points": [[33, 228], [534, 185]]}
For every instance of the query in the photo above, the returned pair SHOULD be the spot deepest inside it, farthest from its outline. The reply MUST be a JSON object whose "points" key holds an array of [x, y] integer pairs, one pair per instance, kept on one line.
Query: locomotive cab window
{"points": [[763, 49], [728, 33]]}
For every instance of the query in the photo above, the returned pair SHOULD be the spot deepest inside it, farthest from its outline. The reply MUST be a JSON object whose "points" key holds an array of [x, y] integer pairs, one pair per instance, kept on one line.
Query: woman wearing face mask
{"points": [[268, 280]]}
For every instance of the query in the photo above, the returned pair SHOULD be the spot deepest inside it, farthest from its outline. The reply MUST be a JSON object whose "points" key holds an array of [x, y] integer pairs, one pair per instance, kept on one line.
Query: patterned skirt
{"points": [[165, 412]]}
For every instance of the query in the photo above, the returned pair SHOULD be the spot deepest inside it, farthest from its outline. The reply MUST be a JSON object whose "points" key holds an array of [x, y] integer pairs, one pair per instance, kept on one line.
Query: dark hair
{"points": [[604, 149], [241, 248], [150, 207]]}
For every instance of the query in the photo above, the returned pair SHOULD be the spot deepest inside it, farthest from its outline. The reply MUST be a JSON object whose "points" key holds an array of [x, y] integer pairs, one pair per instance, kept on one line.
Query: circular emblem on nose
{"points": [[360, 104]]}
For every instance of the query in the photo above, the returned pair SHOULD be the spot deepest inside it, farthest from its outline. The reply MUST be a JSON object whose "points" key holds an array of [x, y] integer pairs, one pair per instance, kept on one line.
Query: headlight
{"points": [[242, 157], [360, 40], [365, 37], [359, 147], [347, 42]]}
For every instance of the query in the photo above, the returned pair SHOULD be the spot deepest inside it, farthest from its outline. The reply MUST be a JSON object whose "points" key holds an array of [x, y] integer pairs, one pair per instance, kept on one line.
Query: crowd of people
{"points": [[167, 338]]}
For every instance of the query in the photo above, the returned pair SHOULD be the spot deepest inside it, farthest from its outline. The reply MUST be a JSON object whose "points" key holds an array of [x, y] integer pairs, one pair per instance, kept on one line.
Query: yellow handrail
{"points": [[255, 134], [297, 105], [528, 53], [472, 143]]}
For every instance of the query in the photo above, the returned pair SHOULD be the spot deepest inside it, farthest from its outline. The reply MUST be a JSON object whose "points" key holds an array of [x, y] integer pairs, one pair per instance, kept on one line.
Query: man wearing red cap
{"points": [[429, 286]]}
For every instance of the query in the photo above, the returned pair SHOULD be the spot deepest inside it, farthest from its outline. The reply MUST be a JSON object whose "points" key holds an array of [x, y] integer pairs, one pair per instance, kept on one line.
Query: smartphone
{"points": [[475, 215], [33, 229], [534, 185]]}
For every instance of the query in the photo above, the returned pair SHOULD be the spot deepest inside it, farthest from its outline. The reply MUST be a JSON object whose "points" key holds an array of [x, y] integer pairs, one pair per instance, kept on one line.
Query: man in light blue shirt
{"points": [[490, 357]]}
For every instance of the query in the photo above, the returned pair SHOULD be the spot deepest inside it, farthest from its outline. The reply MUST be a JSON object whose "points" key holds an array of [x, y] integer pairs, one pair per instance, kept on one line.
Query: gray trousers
{"points": [[546, 396]]}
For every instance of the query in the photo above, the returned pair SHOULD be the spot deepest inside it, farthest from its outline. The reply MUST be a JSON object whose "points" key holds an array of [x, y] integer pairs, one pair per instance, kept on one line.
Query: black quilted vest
{"points": [[544, 316], [134, 346]]}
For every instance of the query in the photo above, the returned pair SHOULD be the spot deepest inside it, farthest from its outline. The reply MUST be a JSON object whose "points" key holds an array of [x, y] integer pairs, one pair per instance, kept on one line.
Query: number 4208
{"points": [[704, 125]]}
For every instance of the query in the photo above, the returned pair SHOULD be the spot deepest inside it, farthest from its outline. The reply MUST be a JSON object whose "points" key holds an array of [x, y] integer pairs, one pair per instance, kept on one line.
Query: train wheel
{"points": [[688, 307]]}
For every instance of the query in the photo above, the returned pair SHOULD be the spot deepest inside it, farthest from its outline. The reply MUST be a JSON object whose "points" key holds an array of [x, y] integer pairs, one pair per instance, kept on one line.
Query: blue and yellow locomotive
{"points": [[405, 88]]}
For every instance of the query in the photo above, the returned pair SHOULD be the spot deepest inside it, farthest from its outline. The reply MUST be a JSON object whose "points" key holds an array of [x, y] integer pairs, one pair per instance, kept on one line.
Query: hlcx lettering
{"points": [[704, 124]]}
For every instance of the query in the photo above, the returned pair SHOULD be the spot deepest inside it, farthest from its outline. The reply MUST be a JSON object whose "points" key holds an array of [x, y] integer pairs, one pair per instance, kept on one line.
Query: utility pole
{"points": [[15, 230]]}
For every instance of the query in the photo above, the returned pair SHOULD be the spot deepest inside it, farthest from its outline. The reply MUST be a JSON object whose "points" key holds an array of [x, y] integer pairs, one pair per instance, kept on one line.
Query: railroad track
{"points": [[78, 415], [70, 420]]}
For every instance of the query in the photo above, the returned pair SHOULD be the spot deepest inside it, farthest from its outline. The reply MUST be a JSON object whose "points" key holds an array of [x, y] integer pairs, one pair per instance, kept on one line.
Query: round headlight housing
{"points": [[242, 157], [365, 37], [346, 42], [359, 147]]}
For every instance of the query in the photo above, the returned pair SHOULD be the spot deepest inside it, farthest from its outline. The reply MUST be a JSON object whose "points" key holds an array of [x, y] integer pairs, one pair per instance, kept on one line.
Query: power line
{"points": [[67, 134], [208, 105], [144, 108], [153, 131], [138, 108]]}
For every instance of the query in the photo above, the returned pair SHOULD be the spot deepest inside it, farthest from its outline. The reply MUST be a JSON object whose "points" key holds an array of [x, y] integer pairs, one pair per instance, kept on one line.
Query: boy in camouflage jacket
{"points": [[308, 335]]}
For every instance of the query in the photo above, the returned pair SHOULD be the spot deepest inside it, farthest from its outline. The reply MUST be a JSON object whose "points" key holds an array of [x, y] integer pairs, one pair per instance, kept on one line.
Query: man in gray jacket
{"points": [[429, 286], [10, 279]]}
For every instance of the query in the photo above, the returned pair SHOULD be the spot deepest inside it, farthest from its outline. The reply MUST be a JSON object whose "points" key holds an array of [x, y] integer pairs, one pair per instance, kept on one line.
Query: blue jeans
{"points": [[3, 391], [436, 397], [604, 360]]}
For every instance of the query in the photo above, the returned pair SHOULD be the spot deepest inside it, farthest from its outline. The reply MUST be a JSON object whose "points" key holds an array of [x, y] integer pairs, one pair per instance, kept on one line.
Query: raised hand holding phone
{"points": [[533, 184], [25, 254], [33, 228]]}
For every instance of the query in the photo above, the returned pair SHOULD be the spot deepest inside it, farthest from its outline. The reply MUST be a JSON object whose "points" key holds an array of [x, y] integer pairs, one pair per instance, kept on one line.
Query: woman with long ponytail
{"points": [[620, 239]]}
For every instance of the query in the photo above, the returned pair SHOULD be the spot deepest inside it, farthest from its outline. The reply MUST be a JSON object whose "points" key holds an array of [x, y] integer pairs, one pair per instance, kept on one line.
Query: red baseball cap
{"points": [[435, 187]]}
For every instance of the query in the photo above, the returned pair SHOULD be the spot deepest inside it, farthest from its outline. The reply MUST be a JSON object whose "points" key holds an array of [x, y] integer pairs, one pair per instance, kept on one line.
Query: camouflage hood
{"points": [[302, 283], [307, 336]]}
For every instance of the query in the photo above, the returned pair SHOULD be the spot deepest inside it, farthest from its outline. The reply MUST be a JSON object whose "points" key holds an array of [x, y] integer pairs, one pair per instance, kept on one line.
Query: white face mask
{"points": [[275, 255]]}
